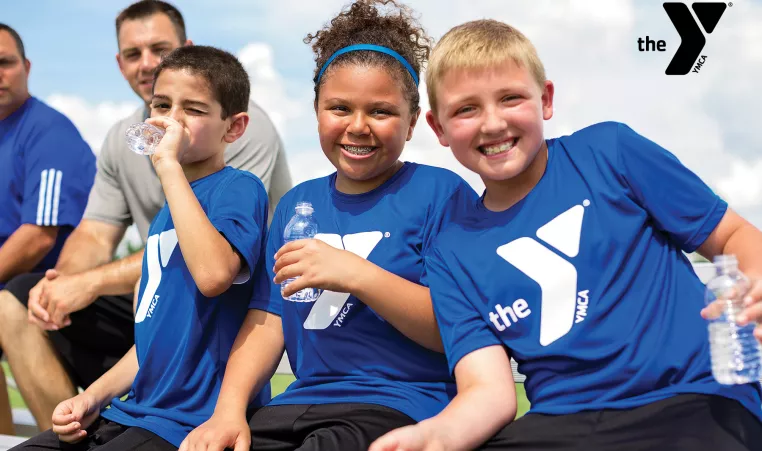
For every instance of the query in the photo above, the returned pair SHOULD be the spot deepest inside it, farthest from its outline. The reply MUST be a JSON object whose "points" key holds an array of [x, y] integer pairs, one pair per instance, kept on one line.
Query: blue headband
{"points": [[371, 47]]}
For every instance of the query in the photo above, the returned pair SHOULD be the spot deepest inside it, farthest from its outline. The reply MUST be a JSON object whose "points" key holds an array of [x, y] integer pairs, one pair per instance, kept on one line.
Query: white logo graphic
{"points": [[330, 303], [556, 277], [158, 250]]}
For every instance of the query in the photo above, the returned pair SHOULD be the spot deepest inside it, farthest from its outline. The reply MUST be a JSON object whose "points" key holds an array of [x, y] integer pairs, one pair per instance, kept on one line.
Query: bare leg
{"points": [[39, 374], [6, 418]]}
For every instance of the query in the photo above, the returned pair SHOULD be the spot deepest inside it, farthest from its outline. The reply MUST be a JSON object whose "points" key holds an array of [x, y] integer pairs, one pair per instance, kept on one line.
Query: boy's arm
{"points": [[735, 235], [256, 352], [486, 402], [116, 381], [211, 259]]}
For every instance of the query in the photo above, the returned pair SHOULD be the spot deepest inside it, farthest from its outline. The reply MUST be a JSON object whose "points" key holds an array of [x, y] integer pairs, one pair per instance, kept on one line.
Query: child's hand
{"points": [[408, 438], [173, 144], [317, 265], [752, 313], [218, 434], [73, 416]]}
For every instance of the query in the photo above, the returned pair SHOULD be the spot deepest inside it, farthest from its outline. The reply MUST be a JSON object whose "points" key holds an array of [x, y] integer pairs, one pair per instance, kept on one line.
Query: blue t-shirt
{"points": [[339, 349], [183, 339], [46, 171], [584, 281]]}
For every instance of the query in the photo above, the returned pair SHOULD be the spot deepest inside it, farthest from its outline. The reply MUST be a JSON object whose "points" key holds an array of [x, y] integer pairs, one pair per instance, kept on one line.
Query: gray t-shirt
{"points": [[127, 189]]}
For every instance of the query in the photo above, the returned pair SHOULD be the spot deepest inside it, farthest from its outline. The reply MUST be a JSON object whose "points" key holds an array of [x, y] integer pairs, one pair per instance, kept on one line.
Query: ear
{"points": [[437, 127], [238, 124], [188, 42], [121, 64], [547, 100], [413, 121], [27, 66]]}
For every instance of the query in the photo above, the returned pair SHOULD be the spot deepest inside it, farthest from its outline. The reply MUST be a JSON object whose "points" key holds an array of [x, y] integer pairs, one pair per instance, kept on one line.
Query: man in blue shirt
{"points": [[46, 171]]}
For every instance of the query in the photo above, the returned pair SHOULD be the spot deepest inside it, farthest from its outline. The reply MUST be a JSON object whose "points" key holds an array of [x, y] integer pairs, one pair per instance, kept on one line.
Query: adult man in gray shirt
{"points": [[66, 328]]}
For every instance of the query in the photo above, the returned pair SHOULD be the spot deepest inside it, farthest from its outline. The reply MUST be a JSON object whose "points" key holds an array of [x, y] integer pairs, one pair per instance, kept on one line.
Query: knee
{"points": [[13, 315]]}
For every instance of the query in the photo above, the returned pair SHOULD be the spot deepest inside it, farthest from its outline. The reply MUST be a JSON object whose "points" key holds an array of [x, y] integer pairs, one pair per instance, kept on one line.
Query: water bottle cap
{"points": [[304, 208]]}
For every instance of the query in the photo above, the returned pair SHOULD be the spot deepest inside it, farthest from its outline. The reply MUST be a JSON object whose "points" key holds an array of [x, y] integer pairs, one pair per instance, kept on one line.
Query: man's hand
{"points": [[64, 295], [73, 416], [37, 313], [219, 433]]}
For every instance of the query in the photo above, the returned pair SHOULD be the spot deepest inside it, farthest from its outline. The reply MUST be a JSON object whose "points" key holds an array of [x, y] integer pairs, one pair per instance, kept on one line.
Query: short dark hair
{"points": [[147, 8], [16, 37], [224, 74]]}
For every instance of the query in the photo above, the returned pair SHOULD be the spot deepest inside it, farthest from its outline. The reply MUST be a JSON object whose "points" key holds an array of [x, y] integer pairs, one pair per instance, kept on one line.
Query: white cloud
{"points": [[742, 187], [268, 86], [92, 120]]}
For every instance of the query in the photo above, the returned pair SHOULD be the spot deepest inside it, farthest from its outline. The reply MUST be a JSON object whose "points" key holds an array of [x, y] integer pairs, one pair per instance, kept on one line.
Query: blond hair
{"points": [[480, 44]]}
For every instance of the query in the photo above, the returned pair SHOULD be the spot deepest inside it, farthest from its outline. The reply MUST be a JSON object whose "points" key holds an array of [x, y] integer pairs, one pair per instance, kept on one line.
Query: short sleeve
{"points": [[239, 211], [442, 212], [267, 295], [679, 203], [107, 202], [59, 169], [461, 326]]}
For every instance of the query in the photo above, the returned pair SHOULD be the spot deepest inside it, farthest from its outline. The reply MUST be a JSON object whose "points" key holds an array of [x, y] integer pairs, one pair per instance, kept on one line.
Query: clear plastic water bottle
{"points": [[736, 354], [302, 225], [143, 138]]}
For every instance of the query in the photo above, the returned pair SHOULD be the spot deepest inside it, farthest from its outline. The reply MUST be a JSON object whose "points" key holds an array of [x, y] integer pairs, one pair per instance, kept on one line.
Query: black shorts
{"points": [[97, 338], [681, 423], [104, 435], [312, 427]]}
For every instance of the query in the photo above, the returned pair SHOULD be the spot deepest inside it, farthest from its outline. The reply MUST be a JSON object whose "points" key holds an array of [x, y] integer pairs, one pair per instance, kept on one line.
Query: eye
{"points": [[160, 106], [510, 98], [339, 108], [464, 110], [380, 112], [195, 111], [131, 56]]}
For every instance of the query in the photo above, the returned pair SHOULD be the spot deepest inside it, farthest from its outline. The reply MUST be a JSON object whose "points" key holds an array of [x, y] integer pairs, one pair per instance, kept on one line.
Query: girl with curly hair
{"points": [[367, 353]]}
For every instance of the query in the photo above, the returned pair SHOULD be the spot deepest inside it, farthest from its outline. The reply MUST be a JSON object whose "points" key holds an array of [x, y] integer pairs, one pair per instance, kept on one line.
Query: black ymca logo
{"points": [[691, 36]]}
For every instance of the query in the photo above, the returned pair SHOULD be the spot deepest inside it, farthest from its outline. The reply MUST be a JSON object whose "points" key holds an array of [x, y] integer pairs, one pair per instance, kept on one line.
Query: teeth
{"points": [[359, 150], [494, 150]]}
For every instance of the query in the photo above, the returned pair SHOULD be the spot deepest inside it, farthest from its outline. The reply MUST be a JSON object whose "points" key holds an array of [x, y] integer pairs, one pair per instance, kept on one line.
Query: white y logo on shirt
{"points": [[330, 303], [556, 276], [158, 250]]}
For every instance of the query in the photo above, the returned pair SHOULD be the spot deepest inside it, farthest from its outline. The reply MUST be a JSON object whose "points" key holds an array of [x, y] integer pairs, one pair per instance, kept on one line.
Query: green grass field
{"points": [[279, 383]]}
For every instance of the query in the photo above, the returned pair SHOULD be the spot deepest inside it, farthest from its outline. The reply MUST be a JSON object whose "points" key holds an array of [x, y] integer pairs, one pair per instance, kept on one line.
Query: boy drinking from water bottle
{"points": [[203, 247]]}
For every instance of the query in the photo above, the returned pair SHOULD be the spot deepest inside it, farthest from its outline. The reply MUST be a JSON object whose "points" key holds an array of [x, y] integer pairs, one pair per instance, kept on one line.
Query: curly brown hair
{"points": [[380, 22]]}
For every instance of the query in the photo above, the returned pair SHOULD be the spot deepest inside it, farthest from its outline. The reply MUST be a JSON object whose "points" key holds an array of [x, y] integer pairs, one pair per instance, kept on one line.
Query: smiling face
{"points": [[187, 98], [142, 44], [14, 74], [363, 123], [492, 119]]}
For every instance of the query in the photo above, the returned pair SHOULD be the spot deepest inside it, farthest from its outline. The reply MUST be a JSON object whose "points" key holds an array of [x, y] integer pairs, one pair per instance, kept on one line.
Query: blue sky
{"points": [[709, 120]]}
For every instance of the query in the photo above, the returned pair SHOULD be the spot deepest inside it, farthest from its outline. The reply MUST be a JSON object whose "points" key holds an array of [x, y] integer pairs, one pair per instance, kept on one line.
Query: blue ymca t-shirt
{"points": [[585, 281], [340, 350], [183, 339], [46, 172]]}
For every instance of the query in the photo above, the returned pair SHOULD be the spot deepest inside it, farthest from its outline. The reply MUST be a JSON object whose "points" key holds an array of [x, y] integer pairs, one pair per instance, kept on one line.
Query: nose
{"points": [[358, 125], [148, 61], [493, 122]]}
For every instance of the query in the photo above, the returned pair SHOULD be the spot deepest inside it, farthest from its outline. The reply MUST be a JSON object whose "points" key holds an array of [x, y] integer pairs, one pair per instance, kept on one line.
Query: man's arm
{"points": [[24, 249], [89, 246]]}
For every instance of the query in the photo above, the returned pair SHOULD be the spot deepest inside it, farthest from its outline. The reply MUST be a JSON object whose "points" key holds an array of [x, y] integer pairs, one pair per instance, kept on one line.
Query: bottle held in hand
{"points": [[142, 138], [301, 226]]}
